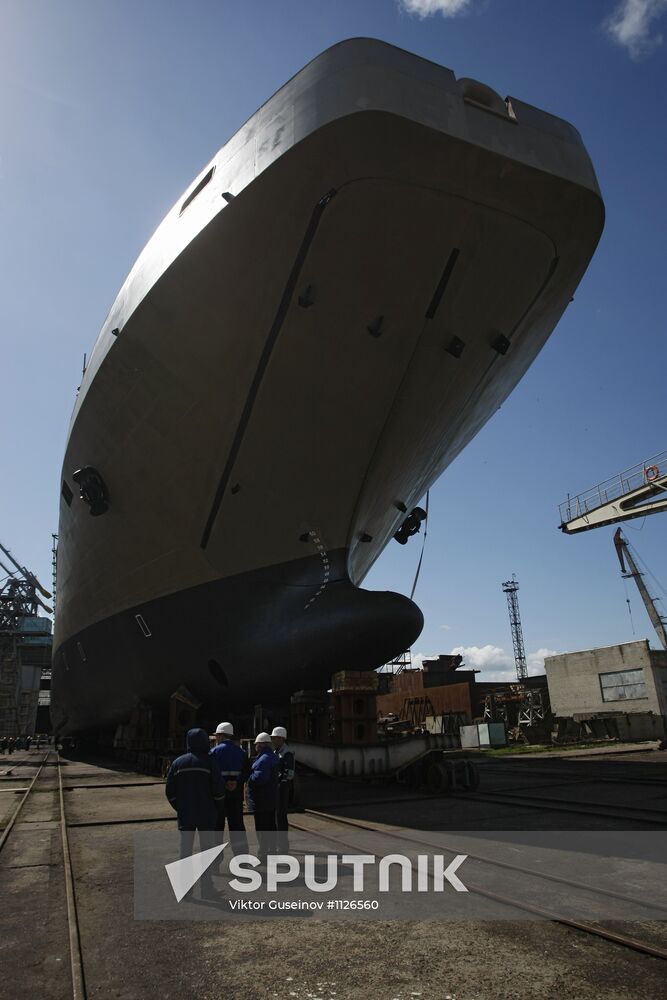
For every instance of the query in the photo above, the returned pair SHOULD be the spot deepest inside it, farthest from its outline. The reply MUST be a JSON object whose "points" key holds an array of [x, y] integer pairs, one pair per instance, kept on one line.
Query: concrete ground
{"points": [[126, 958]]}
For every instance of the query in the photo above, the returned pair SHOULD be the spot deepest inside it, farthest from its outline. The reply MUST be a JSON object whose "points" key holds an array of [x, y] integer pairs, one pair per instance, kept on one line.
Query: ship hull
{"points": [[314, 333], [233, 642]]}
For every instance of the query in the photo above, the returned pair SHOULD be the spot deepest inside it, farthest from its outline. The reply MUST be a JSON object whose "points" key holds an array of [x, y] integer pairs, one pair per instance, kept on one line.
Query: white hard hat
{"points": [[262, 738], [226, 728], [280, 731]]}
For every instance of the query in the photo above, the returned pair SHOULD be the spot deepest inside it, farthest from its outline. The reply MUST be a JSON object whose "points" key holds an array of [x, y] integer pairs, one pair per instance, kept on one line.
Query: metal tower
{"points": [[510, 587]]}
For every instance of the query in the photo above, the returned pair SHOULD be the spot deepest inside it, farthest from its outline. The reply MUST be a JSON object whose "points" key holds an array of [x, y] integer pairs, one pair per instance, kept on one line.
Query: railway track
{"points": [[76, 963], [580, 773], [65, 824], [76, 959], [26, 792], [586, 927], [618, 811]]}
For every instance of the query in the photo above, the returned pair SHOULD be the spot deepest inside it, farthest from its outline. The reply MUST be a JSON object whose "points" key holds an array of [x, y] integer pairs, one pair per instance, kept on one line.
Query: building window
{"points": [[623, 685], [359, 706]]}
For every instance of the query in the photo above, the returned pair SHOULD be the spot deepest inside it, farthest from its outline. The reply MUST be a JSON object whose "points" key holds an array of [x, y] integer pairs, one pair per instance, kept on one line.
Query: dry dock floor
{"points": [[124, 958]]}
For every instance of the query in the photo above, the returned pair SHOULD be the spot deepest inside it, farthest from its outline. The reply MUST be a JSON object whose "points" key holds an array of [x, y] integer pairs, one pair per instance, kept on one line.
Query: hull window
{"points": [[197, 190], [218, 673], [141, 622]]}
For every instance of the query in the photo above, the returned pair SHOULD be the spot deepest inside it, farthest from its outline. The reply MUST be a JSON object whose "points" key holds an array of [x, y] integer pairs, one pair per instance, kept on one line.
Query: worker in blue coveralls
{"points": [[195, 789], [233, 766], [263, 794], [286, 765]]}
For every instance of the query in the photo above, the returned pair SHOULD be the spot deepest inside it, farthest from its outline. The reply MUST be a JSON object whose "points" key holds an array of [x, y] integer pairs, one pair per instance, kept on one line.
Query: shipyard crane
{"points": [[636, 492], [625, 556], [19, 594]]}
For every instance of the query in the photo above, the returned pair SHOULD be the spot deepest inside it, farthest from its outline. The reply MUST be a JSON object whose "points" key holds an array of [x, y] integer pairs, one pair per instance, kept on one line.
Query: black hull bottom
{"points": [[250, 639]]}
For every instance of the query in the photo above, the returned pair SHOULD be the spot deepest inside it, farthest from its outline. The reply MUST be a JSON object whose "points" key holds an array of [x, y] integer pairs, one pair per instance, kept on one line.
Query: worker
{"points": [[286, 761], [10, 744], [194, 788], [233, 767], [263, 794]]}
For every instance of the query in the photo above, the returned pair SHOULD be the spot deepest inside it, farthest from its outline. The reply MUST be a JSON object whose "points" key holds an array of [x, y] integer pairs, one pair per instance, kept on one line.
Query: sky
{"points": [[110, 108]]}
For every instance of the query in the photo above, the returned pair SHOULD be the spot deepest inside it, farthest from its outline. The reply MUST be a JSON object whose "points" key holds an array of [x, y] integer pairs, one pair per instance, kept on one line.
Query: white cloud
{"points": [[448, 628], [484, 657], [630, 25], [427, 8], [495, 664], [418, 659]]}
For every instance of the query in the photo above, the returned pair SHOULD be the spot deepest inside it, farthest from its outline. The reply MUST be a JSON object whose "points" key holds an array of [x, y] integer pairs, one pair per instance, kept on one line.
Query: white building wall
{"points": [[576, 690]]}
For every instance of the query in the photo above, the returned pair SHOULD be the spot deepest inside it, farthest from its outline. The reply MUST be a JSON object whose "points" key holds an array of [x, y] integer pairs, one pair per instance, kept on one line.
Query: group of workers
{"points": [[8, 744], [208, 788]]}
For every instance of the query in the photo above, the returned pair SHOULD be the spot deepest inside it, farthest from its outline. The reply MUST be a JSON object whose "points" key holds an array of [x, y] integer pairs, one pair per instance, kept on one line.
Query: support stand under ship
{"points": [[327, 316]]}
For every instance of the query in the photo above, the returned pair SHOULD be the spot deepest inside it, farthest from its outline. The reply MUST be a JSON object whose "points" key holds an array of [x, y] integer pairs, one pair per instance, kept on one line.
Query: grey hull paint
{"points": [[232, 409]]}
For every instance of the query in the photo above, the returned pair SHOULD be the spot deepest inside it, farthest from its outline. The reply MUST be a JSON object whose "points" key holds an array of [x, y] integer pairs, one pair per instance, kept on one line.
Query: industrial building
{"points": [[25, 673], [614, 691], [439, 697], [25, 651]]}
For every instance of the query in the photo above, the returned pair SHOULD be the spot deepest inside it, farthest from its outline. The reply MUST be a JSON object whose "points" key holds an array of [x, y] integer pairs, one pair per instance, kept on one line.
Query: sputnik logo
{"points": [[185, 873]]}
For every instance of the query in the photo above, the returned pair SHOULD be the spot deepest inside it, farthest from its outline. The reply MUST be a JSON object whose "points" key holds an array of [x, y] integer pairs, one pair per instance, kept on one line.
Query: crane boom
{"points": [[30, 577], [635, 492], [624, 555]]}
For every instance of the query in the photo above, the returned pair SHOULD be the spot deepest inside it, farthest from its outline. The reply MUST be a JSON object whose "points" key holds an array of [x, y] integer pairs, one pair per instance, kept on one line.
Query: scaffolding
{"points": [[398, 664]]}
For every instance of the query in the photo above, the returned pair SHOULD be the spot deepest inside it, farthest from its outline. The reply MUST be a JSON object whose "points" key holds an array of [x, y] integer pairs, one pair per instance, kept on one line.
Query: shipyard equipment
{"points": [[25, 645], [625, 556], [636, 492]]}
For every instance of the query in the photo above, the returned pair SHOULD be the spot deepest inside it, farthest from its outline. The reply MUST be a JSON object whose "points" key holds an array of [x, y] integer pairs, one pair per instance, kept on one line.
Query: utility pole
{"points": [[510, 587]]}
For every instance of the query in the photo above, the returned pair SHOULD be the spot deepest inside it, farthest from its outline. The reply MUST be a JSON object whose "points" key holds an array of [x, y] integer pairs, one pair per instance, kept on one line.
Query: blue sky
{"points": [[110, 108]]}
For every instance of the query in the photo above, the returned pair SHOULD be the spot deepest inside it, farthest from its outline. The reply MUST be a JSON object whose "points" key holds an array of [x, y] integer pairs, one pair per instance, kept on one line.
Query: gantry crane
{"points": [[636, 492], [639, 491]]}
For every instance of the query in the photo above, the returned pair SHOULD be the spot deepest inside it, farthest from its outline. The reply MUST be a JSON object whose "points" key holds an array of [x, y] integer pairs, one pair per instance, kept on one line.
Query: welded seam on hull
{"points": [[474, 390], [264, 360], [433, 306], [322, 552], [442, 284]]}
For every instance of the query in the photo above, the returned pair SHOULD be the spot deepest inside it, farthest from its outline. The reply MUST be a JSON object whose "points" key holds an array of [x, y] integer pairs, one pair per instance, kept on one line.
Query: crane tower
{"points": [[510, 587]]}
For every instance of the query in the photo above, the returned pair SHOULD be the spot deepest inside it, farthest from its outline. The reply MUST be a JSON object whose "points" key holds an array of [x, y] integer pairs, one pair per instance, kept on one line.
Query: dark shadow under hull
{"points": [[250, 639]]}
